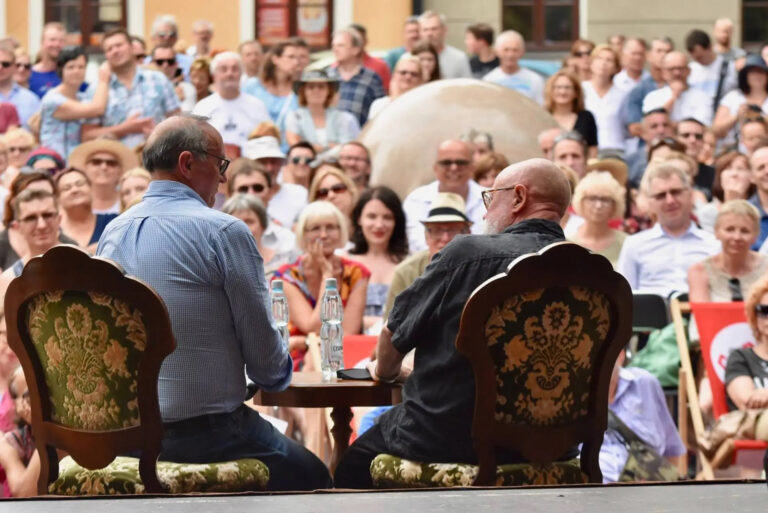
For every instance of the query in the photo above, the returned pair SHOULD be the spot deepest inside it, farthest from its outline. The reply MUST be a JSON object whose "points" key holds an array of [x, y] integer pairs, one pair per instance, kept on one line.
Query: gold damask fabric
{"points": [[544, 344], [89, 345]]}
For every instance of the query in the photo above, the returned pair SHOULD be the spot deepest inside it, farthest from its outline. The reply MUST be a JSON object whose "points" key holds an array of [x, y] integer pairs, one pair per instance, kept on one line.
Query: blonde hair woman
{"points": [[132, 186], [332, 184], [598, 199]]}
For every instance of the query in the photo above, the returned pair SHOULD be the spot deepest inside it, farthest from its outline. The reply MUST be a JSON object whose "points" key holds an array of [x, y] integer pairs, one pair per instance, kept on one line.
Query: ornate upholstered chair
{"points": [[542, 340], [91, 341]]}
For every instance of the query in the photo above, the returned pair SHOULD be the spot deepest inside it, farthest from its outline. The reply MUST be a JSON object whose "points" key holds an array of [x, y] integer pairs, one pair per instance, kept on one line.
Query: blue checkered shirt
{"points": [[206, 267], [151, 95], [357, 94]]}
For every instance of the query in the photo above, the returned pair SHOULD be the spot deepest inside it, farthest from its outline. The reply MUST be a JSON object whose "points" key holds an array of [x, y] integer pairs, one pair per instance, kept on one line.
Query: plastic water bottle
{"points": [[280, 309], [331, 333]]}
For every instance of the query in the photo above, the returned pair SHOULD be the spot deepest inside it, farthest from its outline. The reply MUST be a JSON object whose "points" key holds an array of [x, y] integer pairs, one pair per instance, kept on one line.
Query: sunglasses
{"points": [[6, 64], [581, 54], [403, 72], [163, 62], [686, 135], [761, 310], [336, 189], [21, 65], [301, 160], [446, 163], [255, 187], [105, 162], [166, 34]]}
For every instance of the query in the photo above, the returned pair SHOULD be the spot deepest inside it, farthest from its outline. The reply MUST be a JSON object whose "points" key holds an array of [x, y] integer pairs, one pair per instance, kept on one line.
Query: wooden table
{"points": [[307, 390]]}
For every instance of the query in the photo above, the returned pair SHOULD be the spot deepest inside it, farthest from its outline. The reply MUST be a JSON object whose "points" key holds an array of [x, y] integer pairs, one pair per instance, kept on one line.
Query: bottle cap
{"points": [[277, 285], [330, 284]]}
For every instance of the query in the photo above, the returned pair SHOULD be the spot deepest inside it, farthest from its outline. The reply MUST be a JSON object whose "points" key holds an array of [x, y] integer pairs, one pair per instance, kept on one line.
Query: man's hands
{"points": [[400, 378]]}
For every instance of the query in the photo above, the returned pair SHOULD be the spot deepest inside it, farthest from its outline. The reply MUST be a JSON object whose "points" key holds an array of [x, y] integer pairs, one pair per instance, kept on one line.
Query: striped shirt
{"points": [[206, 267]]}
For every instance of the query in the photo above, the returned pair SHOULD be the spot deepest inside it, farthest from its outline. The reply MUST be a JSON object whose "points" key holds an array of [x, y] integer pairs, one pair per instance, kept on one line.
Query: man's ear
{"points": [[519, 198], [185, 163]]}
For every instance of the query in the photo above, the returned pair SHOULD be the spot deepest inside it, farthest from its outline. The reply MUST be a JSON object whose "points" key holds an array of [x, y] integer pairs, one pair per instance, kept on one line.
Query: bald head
{"points": [[535, 189], [174, 135]]}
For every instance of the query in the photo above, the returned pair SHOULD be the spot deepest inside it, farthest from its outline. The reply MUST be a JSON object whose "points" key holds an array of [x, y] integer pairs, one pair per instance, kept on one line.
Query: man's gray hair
{"points": [[249, 202], [162, 153], [203, 24], [164, 19], [664, 171], [432, 14], [356, 40], [226, 56]]}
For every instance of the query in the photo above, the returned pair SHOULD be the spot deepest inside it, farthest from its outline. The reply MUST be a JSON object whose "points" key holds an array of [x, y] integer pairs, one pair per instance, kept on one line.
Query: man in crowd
{"points": [[710, 72], [139, 48], [510, 48], [359, 86], [355, 160], [165, 32], [753, 134], [202, 32], [252, 56], [633, 108], [570, 149], [546, 139], [758, 163], [233, 113], [44, 75], [690, 132], [454, 170], [655, 125], [200, 260], [139, 98], [633, 62], [446, 219], [723, 32], [453, 62], [373, 63], [677, 98], [616, 41], [164, 58], [297, 168], [433, 424], [479, 42], [657, 260], [410, 38], [25, 101]]}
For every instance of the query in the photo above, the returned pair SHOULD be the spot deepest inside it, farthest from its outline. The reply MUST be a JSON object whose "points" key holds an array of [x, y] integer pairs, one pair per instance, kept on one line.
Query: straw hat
{"points": [[125, 155], [447, 207], [616, 167]]}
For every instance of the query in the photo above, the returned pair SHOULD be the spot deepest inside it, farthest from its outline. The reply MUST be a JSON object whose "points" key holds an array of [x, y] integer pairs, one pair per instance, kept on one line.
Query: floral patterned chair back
{"points": [[542, 340], [91, 341]]}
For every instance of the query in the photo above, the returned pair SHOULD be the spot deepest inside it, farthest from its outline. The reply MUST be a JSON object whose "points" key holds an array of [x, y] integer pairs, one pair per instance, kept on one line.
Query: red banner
{"points": [[722, 328]]}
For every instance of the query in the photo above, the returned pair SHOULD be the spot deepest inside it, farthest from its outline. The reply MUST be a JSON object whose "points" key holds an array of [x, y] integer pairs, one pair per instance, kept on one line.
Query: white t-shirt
{"points": [[623, 81], [454, 63], [285, 206], [705, 78], [607, 113], [189, 101], [234, 119], [732, 101], [524, 81], [692, 103]]}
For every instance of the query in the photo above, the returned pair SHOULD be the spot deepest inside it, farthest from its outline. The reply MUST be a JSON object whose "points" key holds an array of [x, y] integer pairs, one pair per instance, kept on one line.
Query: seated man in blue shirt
{"points": [[207, 268]]}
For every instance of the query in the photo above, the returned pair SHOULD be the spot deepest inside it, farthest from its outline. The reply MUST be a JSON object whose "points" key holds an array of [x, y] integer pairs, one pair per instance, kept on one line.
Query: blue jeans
{"points": [[244, 434]]}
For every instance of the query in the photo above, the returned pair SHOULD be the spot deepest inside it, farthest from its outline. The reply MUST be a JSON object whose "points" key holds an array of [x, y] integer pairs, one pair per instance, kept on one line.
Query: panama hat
{"points": [[447, 207]]}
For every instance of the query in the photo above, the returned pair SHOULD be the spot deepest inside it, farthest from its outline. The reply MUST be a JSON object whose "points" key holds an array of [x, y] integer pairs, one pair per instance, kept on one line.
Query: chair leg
{"points": [[49, 468], [148, 471]]}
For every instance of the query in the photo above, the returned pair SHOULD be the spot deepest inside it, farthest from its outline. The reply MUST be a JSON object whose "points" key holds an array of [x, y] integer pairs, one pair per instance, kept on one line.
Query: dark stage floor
{"points": [[695, 498]]}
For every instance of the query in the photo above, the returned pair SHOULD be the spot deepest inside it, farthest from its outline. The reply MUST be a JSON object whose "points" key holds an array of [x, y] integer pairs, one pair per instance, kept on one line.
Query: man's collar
{"points": [[159, 188], [535, 224]]}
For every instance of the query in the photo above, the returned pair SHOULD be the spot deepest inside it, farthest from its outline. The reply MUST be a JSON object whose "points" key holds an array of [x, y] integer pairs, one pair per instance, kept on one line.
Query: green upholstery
{"points": [[122, 477], [389, 471], [87, 342], [544, 344]]}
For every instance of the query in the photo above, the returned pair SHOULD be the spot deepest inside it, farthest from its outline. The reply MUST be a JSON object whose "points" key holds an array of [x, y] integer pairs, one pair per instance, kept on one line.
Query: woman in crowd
{"points": [[320, 231], [604, 100], [64, 109], [379, 243], [23, 67], [727, 275], [733, 180], [581, 49], [132, 186], [275, 86], [20, 144], [251, 210], [406, 75], [598, 199], [78, 221], [8, 364], [200, 77], [564, 99], [315, 121], [18, 455], [488, 167], [429, 59], [746, 374], [104, 161], [750, 99], [46, 159], [332, 184]]}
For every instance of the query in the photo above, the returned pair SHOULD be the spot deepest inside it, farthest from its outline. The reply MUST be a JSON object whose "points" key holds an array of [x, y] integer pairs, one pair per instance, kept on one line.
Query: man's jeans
{"points": [[244, 434]]}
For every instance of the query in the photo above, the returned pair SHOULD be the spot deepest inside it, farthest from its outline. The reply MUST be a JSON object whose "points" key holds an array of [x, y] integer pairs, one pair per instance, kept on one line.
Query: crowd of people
{"points": [[658, 161]]}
